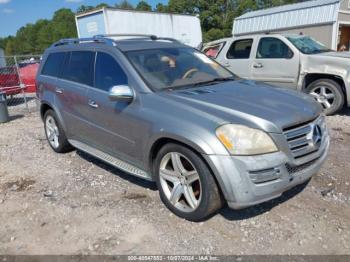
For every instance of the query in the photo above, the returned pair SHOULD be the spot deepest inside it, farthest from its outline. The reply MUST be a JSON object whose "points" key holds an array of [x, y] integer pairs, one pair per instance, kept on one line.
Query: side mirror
{"points": [[121, 93]]}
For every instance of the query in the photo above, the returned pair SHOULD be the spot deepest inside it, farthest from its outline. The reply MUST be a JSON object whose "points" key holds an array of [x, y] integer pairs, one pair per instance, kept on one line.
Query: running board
{"points": [[126, 167]]}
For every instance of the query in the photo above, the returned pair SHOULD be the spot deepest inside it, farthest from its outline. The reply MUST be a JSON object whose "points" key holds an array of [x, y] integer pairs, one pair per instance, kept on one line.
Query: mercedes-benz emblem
{"points": [[317, 135]]}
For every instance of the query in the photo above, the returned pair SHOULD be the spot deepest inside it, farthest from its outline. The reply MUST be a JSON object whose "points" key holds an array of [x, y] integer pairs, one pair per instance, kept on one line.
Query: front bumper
{"points": [[238, 177]]}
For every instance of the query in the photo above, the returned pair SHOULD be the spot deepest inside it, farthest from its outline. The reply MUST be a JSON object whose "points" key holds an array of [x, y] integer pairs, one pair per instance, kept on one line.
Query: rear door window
{"points": [[53, 64], [80, 67], [108, 72], [240, 49], [273, 48]]}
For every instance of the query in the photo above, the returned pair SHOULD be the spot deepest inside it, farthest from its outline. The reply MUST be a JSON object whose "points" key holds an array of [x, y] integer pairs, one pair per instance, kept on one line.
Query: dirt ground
{"points": [[74, 204]]}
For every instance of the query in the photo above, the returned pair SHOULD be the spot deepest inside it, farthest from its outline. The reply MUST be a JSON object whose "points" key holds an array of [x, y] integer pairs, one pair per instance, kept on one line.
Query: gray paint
{"points": [[123, 134]]}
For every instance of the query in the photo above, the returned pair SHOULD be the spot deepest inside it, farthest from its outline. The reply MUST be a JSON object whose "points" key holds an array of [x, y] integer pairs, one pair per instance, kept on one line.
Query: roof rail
{"points": [[84, 40], [152, 37], [107, 40]]}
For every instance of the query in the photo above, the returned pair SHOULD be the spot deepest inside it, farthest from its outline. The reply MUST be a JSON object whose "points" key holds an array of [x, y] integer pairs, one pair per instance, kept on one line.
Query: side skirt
{"points": [[116, 162]]}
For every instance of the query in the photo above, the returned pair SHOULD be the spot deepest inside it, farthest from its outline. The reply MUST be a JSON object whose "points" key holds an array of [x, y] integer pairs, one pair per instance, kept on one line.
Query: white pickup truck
{"points": [[291, 61]]}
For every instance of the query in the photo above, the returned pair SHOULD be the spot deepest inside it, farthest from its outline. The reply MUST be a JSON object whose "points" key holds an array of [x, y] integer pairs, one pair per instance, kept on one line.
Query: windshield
{"points": [[307, 45], [170, 68]]}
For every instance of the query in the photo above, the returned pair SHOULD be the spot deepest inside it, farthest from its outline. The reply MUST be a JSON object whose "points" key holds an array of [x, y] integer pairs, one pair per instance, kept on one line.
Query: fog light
{"points": [[264, 175]]}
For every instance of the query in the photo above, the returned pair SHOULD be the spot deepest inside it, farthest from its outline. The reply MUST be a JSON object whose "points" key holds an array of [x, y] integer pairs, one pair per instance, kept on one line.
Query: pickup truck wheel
{"points": [[55, 134], [328, 93], [186, 185]]}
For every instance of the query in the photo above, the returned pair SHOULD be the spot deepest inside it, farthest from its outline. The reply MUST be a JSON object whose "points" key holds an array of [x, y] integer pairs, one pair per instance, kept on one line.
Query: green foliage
{"points": [[84, 8], [125, 5], [35, 38], [213, 34], [216, 18], [162, 8], [143, 6]]}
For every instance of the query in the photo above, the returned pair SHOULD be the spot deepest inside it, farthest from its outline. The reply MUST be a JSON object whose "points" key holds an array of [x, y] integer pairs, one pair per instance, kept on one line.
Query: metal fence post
{"points": [[22, 86]]}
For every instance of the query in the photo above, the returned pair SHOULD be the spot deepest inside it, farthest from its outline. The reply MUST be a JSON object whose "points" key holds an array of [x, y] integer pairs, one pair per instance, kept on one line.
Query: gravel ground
{"points": [[74, 204]]}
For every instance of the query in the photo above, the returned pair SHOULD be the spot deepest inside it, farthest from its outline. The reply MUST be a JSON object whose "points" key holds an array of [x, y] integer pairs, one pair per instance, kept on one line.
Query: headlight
{"points": [[242, 140]]}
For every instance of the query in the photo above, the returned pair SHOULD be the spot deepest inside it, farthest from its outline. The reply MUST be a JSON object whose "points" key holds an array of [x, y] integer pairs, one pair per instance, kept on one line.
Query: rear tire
{"points": [[185, 183], [55, 134], [328, 93]]}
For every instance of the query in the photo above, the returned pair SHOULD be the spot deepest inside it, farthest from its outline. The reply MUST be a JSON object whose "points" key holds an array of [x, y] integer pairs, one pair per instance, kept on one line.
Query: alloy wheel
{"points": [[180, 182], [52, 132], [323, 95]]}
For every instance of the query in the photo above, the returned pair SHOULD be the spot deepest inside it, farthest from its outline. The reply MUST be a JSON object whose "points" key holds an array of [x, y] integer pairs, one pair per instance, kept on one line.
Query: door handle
{"points": [[258, 65], [93, 104], [226, 64], [59, 91]]}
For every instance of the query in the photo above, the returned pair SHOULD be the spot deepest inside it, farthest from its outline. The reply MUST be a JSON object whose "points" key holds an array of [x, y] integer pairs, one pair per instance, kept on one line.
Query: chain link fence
{"points": [[17, 81]]}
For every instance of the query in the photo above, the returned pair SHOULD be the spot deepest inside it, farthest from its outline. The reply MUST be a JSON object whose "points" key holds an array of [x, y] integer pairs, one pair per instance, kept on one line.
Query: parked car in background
{"points": [[11, 78], [9, 81], [290, 61], [27, 74]]}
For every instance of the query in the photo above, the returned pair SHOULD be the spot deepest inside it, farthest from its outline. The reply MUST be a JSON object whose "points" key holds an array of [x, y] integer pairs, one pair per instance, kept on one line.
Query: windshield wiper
{"points": [[214, 80]]}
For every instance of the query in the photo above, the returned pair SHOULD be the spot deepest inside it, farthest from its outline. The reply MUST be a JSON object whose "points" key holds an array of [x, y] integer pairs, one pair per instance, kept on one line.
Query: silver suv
{"points": [[165, 112]]}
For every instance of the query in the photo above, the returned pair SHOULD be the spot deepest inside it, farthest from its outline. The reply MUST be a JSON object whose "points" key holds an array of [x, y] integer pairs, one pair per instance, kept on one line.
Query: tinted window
{"points": [[53, 64], [240, 49], [270, 47], [108, 72], [80, 67]]}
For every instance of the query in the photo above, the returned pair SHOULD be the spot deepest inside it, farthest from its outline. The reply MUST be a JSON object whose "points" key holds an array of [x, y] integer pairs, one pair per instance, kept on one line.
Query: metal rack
{"points": [[105, 39]]}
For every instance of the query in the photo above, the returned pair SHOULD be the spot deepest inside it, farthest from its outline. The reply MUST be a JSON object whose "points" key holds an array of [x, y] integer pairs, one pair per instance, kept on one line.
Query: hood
{"points": [[250, 103], [334, 54]]}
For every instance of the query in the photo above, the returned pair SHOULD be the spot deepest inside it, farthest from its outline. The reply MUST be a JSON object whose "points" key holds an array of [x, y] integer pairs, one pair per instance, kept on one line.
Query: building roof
{"points": [[287, 16], [286, 8], [98, 10]]}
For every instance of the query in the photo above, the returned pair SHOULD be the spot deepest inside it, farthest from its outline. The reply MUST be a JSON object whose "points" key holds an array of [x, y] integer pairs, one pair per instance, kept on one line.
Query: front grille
{"points": [[296, 169], [303, 140]]}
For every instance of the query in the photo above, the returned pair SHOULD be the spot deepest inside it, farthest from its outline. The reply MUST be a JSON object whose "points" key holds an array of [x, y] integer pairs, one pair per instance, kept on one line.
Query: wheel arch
{"points": [[312, 77], [45, 106], [162, 141]]}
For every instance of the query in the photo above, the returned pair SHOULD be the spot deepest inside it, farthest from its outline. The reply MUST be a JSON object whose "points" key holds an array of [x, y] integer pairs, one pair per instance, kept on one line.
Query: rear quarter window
{"points": [[53, 64], [213, 50]]}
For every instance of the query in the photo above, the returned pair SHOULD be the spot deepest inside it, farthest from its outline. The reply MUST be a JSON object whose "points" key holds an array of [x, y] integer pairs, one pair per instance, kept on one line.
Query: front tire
{"points": [[185, 183], [328, 93], [55, 134]]}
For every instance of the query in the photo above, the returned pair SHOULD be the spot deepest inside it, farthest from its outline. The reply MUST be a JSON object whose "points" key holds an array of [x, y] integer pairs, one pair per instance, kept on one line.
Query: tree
{"points": [[183, 6], [102, 5], [63, 24], [3, 42], [213, 34], [161, 8], [84, 8], [216, 18], [125, 5], [10, 46], [143, 6]]}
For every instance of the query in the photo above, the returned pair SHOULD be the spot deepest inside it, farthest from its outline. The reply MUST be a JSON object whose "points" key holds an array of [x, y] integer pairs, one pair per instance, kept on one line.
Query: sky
{"points": [[17, 13]]}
